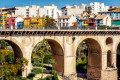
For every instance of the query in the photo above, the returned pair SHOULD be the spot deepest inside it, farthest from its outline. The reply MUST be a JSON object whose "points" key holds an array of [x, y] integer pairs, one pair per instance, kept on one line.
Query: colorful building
{"points": [[3, 18], [27, 22], [36, 22], [10, 22], [19, 23], [103, 20], [91, 23], [82, 21]]}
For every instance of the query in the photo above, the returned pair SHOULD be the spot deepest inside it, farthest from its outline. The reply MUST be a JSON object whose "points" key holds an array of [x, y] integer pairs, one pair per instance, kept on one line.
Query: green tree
{"points": [[88, 10], [42, 50], [49, 22]]}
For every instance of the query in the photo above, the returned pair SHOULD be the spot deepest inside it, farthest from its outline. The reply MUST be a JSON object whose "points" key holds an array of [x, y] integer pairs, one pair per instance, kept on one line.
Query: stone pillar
{"points": [[27, 69], [104, 61], [114, 58], [108, 73], [69, 59]]}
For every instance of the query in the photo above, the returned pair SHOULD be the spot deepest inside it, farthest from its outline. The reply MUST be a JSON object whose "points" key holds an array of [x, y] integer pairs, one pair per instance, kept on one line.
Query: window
{"points": [[63, 20]]}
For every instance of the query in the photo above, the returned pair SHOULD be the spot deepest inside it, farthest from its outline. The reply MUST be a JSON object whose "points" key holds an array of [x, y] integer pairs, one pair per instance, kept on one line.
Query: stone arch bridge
{"points": [[102, 49]]}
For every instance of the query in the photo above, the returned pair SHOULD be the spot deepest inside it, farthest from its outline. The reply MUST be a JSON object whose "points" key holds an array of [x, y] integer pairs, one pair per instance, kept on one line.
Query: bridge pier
{"points": [[27, 55], [108, 73], [69, 59]]}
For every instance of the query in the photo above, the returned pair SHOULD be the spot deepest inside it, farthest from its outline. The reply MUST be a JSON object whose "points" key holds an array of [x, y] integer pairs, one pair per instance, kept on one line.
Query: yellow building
{"points": [[36, 22], [27, 22], [85, 22], [3, 18]]}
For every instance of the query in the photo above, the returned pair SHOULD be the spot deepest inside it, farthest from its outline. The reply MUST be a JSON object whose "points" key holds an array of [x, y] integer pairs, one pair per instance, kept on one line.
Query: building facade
{"points": [[115, 17], [71, 10], [96, 6], [103, 20], [36, 22], [10, 23], [27, 22], [3, 18], [35, 11], [19, 23], [66, 21]]}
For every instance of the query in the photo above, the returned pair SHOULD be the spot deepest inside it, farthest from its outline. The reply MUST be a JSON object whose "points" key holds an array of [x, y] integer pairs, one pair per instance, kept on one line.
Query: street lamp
{"points": [[106, 22], [2, 70]]}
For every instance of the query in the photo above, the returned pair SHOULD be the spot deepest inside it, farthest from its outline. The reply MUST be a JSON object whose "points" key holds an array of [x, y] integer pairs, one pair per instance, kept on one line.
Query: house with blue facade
{"points": [[19, 23], [82, 21], [115, 17]]}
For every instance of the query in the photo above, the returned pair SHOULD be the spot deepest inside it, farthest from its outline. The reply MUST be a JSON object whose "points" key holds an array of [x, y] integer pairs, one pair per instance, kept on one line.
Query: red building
{"points": [[8, 22], [91, 23]]}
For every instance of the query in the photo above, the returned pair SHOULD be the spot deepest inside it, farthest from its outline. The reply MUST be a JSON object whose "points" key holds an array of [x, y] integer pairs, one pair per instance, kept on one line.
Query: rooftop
{"points": [[101, 16]]}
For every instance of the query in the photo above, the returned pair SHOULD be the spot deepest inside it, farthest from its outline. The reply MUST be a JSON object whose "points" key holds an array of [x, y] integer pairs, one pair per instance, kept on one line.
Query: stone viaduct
{"points": [[102, 49]]}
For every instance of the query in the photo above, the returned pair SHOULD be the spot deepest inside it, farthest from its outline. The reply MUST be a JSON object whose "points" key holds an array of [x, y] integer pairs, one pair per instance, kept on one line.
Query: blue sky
{"points": [[59, 3]]}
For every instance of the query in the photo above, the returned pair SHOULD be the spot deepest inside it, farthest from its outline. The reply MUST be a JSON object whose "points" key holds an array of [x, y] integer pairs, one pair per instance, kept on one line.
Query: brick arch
{"points": [[58, 53], [94, 57]]}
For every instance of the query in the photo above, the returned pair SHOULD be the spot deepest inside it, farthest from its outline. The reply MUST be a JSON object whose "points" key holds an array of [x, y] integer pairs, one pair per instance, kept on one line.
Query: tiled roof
{"points": [[115, 19], [107, 11], [100, 16], [64, 17], [81, 17]]}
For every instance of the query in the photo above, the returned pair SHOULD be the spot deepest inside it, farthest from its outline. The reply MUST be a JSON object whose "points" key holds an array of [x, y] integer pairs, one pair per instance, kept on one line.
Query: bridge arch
{"points": [[94, 57], [58, 53], [16, 46]]}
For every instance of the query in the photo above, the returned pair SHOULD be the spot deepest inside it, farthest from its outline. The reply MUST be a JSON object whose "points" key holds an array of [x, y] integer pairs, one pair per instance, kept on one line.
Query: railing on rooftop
{"points": [[57, 28]]}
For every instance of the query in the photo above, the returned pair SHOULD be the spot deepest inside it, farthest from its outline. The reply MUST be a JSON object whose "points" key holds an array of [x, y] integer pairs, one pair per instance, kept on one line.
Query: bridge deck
{"points": [[37, 32]]}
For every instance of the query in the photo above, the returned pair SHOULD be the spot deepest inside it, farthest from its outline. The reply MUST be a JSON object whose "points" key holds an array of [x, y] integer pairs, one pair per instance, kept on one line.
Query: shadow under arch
{"points": [[118, 59], [94, 58], [17, 51], [58, 55]]}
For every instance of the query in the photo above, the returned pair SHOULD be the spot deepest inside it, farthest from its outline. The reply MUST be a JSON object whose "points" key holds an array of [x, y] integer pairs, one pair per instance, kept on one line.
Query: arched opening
{"points": [[92, 51], [10, 52], [55, 52], [109, 40], [109, 59], [118, 59]]}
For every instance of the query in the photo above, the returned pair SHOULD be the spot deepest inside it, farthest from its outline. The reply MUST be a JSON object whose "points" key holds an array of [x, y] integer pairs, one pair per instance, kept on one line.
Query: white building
{"points": [[66, 21], [35, 11], [96, 6], [71, 10], [27, 11], [52, 11]]}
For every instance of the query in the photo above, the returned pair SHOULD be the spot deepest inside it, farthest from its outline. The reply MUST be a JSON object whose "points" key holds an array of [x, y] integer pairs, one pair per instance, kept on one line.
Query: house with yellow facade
{"points": [[27, 22], [82, 21], [37, 22], [3, 18]]}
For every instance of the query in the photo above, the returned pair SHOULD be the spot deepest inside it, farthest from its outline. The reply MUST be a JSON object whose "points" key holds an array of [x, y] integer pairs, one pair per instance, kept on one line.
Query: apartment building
{"points": [[96, 6], [35, 11], [66, 21], [27, 11], [52, 11], [71, 10]]}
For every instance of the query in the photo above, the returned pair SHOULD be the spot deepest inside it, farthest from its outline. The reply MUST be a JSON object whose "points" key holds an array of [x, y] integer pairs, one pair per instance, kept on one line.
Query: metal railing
{"points": [[56, 28]]}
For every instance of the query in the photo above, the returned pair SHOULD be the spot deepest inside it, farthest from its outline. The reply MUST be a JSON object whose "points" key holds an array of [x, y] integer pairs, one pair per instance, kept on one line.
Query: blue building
{"points": [[82, 21], [115, 17]]}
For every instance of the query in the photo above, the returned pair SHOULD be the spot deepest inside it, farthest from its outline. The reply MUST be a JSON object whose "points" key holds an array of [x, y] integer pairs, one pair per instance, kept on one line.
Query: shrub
{"points": [[103, 27], [47, 58], [36, 70], [31, 75], [53, 72]]}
